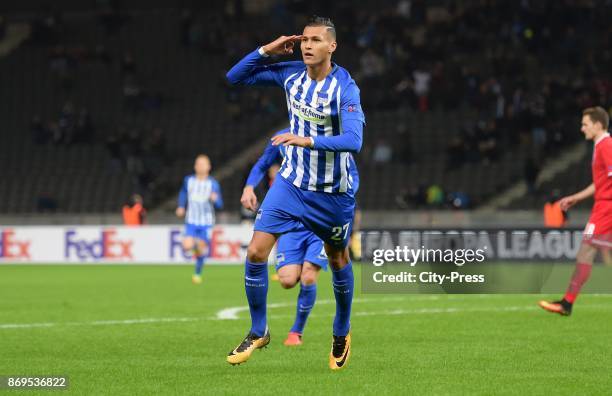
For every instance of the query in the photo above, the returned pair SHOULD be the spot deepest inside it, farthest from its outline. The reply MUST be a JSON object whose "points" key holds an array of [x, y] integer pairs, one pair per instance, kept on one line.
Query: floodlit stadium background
{"points": [[470, 105], [473, 122], [472, 108]]}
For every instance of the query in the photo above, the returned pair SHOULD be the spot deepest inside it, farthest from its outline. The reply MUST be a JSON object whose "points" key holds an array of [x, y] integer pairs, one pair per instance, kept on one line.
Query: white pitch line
{"points": [[136, 321], [228, 313], [419, 311], [96, 323], [25, 325], [446, 310], [428, 311], [231, 313]]}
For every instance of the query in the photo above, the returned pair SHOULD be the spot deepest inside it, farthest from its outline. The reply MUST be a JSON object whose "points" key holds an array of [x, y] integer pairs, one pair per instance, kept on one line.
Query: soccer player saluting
{"points": [[201, 195], [598, 231], [314, 188], [300, 253]]}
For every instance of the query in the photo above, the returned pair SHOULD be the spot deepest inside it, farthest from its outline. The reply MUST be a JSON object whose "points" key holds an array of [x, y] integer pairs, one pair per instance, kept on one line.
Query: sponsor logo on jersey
{"points": [[308, 113]]}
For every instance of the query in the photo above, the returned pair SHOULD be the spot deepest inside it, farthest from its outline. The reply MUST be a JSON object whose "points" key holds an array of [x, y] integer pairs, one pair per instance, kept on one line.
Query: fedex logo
{"points": [[107, 246], [220, 246], [13, 248]]}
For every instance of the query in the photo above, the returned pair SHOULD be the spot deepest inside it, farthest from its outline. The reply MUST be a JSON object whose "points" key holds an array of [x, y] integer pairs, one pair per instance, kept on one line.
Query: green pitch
{"points": [[147, 330]]}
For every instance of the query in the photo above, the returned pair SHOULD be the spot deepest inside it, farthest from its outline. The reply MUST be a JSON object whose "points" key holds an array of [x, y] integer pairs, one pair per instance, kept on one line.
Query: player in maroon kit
{"points": [[598, 231]]}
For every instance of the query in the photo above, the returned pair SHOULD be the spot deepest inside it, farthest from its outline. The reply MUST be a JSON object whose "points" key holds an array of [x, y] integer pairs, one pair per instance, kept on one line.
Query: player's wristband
{"points": [[262, 52], [311, 141]]}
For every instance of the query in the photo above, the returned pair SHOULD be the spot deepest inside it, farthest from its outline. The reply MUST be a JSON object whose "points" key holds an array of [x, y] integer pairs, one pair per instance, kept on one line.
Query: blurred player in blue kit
{"points": [[315, 189], [198, 198]]}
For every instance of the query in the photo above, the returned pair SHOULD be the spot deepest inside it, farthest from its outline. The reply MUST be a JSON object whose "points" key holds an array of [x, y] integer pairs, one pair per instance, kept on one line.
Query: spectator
{"points": [[422, 79], [459, 200], [411, 198], [46, 29], [67, 123], [56, 133], [46, 203], [382, 152], [372, 64], [134, 212], [132, 94], [554, 217], [62, 67], [435, 195]]}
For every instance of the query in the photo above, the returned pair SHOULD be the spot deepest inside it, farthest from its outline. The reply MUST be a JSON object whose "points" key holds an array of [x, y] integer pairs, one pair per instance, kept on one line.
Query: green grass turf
{"points": [[403, 344]]}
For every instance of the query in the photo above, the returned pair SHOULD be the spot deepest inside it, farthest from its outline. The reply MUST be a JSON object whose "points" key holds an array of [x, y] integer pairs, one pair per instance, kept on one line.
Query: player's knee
{"points": [[257, 254], [188, 244], [586, 254], [309, 277], [338, 262], [288, 282], [338, 259]]}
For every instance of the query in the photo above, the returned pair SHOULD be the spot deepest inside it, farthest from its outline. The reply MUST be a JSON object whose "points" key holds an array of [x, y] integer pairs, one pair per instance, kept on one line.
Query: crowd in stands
{"points": [[524, 70], [72, 126], [140, 150], [143, 154]]}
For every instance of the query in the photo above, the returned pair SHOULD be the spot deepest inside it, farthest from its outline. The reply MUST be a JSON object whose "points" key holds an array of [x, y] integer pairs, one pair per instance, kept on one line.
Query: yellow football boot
{"points": [[243, 352], [340, 352]]}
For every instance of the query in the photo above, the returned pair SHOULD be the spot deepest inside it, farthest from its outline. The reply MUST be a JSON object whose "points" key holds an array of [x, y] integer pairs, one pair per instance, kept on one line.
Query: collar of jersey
{"points": [[333, 70], [602, 137]]}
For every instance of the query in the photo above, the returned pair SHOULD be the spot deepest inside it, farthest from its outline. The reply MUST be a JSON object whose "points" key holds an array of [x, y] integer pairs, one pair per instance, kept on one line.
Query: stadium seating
{"points": [[187, 98], [193, 114]]}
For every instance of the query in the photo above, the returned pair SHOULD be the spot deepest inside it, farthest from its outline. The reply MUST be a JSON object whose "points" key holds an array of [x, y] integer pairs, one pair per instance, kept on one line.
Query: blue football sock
{"points": [[199, 264], [256, 286], [305, 302], [343, 282]]}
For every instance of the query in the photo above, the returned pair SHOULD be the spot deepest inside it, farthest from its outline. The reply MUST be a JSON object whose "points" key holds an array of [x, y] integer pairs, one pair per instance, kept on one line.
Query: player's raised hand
{"points": [[282, 45], [249, 199], [567, 202], [289, 139], [180, 212]]}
